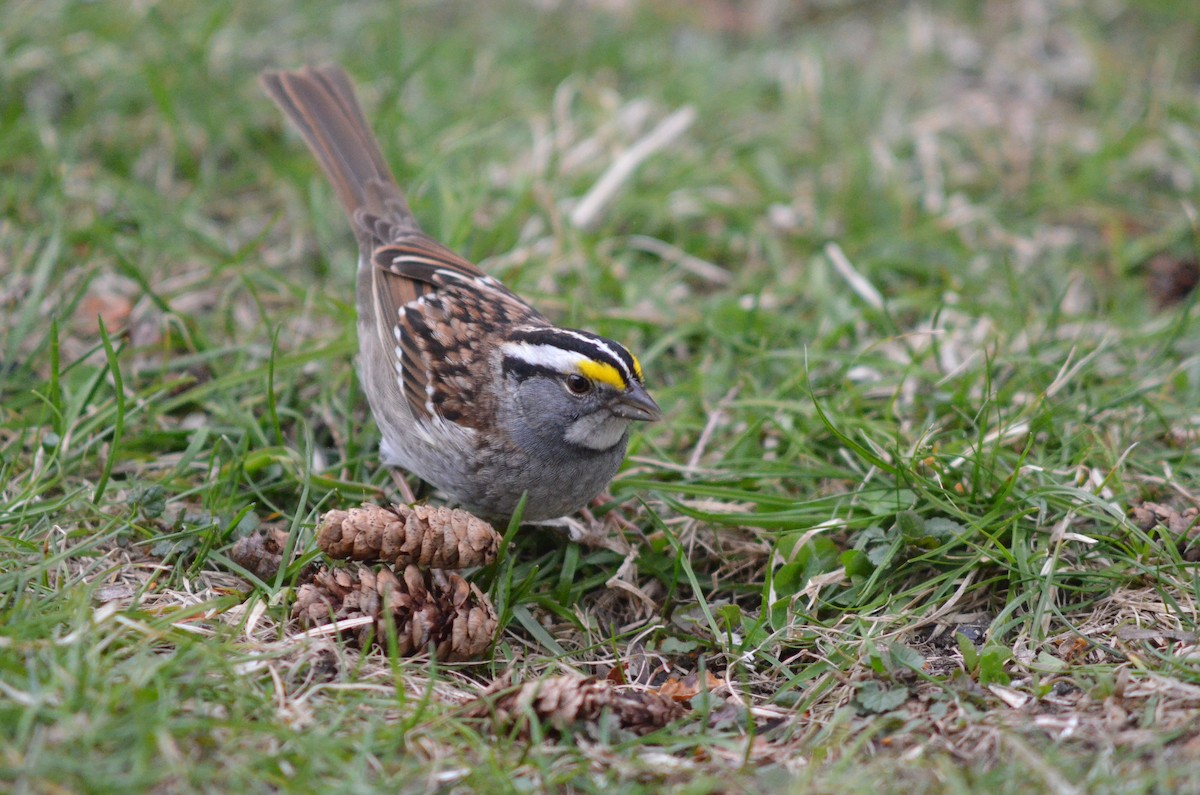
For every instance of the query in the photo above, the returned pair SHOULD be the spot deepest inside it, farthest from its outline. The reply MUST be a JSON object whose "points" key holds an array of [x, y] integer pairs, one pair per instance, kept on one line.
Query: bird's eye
{"points": [[578, 384]]}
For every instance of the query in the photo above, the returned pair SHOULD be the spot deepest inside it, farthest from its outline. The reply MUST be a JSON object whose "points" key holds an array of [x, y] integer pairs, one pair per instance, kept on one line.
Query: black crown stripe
{"points": [[512, 365], [591, 345]]}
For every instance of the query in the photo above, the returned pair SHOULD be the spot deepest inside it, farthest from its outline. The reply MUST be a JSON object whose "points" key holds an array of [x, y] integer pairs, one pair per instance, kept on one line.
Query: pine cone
{"points": [[644, 711], [1184, 524], [565, 701], [436, 537], [1147, 515], [427, 610], [261, 553]]}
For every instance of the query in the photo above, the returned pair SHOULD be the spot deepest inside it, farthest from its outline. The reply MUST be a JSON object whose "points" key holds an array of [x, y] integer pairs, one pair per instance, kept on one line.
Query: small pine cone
{"points": [[644, 711], [561, 702], [434, 537], [1148, 515], [428, 610], [1183, 524], [261, 553], [566, 701]]}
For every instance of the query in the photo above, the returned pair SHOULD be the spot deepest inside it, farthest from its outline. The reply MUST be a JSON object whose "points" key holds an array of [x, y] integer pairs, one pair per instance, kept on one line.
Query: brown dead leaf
{"points": [[113, 311], [616, 674], [689, 687], [1071, 648]]}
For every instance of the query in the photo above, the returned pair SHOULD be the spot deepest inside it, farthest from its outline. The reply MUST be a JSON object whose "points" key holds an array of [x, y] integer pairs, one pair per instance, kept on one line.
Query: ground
{"points": [[912, 282]]}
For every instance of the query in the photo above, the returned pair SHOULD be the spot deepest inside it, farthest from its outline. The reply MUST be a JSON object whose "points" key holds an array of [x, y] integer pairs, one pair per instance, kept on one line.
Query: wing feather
{"points": [[441, 305]]}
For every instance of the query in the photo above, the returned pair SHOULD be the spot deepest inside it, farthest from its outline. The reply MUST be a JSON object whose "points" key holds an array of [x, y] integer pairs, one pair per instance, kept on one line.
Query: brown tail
{"points": [[321, 104]]}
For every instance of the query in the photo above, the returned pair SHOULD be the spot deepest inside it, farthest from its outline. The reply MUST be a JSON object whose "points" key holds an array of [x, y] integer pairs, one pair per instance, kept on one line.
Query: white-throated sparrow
{"points": [[473, 390]]}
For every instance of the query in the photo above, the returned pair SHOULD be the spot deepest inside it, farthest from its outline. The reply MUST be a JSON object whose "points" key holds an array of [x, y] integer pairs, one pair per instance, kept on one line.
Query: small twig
{"points": [[858, 283], [1169, 483], [1067, 371], [587, 212], [710, 427], [621, 581], [702, 269]]}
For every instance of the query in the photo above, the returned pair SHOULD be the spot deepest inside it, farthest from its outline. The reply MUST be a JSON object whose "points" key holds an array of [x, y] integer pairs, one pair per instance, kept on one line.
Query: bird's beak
{"points": [[637, 405]]}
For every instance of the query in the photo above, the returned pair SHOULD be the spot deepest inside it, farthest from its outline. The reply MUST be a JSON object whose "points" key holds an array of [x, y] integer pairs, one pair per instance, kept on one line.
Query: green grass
{"points": [[888, 507]]}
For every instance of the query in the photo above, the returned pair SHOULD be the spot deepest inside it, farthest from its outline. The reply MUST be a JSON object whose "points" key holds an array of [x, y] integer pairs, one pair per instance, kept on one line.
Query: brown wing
{"points": [[423, 299], [436, 306]]}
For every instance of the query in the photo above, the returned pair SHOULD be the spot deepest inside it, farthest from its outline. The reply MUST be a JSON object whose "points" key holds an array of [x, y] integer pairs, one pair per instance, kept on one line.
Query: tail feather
{"points": [[321, 104]]}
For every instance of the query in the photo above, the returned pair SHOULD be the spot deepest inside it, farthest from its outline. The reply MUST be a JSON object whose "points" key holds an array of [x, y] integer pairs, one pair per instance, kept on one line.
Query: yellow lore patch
{"points": [[602, 372]]}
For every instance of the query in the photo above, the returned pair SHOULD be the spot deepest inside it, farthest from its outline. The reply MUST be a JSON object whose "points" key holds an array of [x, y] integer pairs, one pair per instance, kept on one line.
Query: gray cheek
{"points": [[537, 417], [545, 418]]}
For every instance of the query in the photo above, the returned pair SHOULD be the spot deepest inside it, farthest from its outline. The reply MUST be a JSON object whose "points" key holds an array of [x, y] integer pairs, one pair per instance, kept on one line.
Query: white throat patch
{"points": [[597, 431]]}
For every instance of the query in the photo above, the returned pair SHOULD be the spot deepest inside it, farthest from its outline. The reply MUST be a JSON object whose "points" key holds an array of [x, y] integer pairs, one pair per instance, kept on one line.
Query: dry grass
{"points": [[911, 282]]}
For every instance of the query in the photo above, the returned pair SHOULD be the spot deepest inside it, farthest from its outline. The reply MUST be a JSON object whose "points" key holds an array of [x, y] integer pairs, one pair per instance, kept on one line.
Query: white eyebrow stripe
{"points": [[551, 356]]}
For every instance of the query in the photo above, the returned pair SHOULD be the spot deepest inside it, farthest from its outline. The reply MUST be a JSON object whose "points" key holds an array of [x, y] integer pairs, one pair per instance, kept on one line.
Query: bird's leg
{"points": [[402, 486]]}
